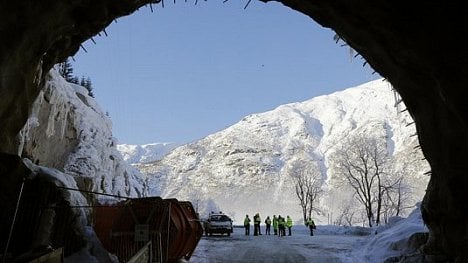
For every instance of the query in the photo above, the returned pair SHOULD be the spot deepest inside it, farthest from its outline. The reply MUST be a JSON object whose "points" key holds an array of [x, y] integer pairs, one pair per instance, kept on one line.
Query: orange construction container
{"points": [[173, 228]]}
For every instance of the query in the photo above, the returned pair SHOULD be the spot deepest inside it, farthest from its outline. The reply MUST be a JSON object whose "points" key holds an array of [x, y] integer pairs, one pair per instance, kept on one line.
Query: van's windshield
{"points": [[220, 218]]}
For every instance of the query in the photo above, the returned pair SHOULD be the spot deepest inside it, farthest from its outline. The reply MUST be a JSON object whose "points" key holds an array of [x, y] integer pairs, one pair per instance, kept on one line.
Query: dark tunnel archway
{"points": [[416, 47]]}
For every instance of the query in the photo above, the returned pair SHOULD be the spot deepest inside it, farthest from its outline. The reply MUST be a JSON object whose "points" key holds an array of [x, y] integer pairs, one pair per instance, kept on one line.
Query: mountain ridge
{"points": [[246, 167]]}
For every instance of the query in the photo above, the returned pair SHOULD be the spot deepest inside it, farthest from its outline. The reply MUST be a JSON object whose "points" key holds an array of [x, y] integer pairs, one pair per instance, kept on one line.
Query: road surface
{"points": [[300, 247]]}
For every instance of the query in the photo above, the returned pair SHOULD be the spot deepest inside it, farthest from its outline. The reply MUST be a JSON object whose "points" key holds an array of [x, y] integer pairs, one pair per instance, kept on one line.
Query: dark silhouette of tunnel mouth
{"points": [[414, 46]]}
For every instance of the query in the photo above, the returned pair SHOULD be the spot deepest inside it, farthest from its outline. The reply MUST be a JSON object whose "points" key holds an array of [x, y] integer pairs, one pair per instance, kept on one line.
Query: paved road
{"points": [[297, 248]]}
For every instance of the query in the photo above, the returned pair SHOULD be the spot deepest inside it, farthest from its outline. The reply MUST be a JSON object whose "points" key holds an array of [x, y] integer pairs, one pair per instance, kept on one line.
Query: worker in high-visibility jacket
{"points": [[289, 224], [257, 221], [267, 225], [247, 225], [275, 224], [311, 224], [281, 226]]}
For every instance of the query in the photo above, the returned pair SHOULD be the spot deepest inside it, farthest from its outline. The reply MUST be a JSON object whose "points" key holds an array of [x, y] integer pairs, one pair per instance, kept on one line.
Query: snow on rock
{"points": [[134, 154], [61, 179], [67, 130], [394, 239], [70, 198], [93, 252], [246, 168]]}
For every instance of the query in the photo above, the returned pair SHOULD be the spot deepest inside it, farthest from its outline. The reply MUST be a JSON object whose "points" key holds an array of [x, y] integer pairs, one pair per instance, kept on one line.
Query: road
{"points": [[298, 248]]}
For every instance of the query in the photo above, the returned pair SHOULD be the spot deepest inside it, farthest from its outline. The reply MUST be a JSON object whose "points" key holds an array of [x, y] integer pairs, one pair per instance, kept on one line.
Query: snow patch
{"points": [[391, 240]]}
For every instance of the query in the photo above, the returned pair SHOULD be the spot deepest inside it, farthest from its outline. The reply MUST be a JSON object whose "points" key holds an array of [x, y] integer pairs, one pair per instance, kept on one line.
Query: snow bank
{"points": [[394, 239], [342, 230], [74, 198], [93, 251]]}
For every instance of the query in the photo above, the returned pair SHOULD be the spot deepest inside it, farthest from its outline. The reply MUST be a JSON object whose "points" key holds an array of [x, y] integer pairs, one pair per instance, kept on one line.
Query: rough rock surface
{"points": [[68, 131], [417, 47]]}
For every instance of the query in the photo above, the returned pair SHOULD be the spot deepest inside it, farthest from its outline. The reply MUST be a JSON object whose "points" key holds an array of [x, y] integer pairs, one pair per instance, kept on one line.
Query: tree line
{"points": [[66, 71], [362, 166]]}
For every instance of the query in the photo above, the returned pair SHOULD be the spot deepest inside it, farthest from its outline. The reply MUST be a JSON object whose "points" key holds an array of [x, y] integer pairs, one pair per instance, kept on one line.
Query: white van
{"points": [[218, 223]]}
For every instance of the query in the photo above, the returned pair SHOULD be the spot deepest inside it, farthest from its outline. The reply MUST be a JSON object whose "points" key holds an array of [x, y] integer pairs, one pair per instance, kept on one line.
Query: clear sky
{"points": [[186, 71]]}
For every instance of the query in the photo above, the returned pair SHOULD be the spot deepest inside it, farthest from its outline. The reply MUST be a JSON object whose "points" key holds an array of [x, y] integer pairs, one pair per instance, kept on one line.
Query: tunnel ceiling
{"points": [[417, 47]]}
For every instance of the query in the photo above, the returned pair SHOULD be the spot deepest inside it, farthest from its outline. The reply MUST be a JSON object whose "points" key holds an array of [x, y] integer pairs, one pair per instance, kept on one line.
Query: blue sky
{"points": [[186, 71]]}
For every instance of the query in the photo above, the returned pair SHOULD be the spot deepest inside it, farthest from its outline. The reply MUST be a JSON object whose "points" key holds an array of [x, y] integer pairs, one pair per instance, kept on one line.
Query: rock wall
{"points": [[68, 131]]}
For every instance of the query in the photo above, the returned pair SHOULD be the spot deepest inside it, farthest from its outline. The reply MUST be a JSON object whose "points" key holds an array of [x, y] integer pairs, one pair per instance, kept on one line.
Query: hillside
{"points": [[245, 168]]}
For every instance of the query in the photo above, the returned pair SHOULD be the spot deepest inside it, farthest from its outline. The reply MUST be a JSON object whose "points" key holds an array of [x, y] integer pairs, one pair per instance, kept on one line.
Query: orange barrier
{"points": [[173, 228]]}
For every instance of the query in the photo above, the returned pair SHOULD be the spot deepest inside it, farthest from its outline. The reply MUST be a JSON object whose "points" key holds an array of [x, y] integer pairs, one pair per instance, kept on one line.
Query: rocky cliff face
{"points": [[68, 131]]}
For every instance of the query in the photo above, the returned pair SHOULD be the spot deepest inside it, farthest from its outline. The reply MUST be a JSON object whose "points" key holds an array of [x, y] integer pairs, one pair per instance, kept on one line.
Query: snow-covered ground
{"points": [[329, 244], [299, 247]]}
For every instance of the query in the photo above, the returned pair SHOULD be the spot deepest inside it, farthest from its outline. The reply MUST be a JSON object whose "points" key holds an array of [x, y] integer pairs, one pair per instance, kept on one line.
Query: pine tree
{"points": [[88, 85], [74, 80], [82, 81], [66, 70]]}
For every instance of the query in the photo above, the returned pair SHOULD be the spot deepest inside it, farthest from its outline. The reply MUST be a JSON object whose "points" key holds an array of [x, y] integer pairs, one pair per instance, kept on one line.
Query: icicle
{"points": [[58, 106], [397, 98], [64, 121], [351, 54], [50, 131]]}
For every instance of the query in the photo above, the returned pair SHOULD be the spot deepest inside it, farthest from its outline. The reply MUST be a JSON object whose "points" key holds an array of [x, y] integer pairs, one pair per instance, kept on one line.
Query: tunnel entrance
{"points": [[427, 69]]}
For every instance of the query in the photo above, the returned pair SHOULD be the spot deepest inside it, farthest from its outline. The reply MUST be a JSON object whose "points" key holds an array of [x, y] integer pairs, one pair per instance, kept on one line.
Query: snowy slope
{"points": [[68, 131], [134, 154], [245, 168]]}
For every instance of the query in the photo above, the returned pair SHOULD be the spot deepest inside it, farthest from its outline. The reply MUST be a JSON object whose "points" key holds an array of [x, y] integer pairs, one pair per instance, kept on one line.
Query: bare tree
{"points": [[346, 214], [397, 195], [362, 162], [308, 185]]}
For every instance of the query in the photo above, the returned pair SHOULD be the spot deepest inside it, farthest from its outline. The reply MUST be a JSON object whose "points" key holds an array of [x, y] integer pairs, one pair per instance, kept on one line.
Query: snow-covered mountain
{"points": [[245, 168], [134, 154]]}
